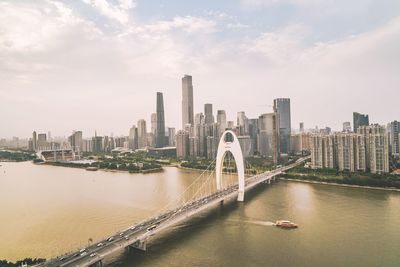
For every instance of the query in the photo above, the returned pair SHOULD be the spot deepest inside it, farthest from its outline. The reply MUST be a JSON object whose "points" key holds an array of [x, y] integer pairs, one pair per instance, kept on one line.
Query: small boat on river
{"points": [[284, 224], [93, 169]]}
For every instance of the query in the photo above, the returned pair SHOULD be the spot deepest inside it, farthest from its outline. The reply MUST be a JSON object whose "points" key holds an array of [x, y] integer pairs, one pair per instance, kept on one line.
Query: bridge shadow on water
{"points": [[182, 233]]}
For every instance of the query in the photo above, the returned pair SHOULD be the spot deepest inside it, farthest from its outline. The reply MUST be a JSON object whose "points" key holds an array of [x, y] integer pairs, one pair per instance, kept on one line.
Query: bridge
{"points": [[202, 194]]}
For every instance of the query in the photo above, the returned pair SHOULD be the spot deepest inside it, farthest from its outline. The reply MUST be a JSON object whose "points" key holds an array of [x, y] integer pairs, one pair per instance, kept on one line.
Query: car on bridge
{"points": [[151, 228]]}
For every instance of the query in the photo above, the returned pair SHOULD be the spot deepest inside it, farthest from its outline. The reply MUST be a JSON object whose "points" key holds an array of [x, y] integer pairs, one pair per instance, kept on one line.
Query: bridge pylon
{"points": [[230, 143]]}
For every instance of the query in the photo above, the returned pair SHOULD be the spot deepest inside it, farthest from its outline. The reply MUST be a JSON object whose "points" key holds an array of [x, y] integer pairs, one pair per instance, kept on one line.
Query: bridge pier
{"points": [[97, 264], [138, 245]]}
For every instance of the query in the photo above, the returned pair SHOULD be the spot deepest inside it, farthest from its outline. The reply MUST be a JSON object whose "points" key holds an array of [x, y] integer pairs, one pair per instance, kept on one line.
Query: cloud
{"points": [[118, 12], [53, 54]]}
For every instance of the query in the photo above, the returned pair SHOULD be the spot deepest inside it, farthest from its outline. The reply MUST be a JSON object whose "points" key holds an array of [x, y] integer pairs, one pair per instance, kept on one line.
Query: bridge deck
{"points": [[138, 234]]}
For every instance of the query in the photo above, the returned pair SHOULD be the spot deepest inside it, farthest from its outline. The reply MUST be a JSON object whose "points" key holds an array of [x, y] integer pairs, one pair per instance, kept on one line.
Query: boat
{"points": [[286, 224], [92, 169]]}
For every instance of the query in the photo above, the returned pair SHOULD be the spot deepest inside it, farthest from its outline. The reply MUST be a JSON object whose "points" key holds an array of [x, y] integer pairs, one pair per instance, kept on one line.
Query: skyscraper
{"points": [[160, 131], [394, 130], [282, 108], [133, 138], [221, 121], [182, 144], [268, 137], [242, 123], [34, 140], [208, 114], [187, 101], [301, 127], [359, 120], [171, 137], [142, 134], [153, 123]]}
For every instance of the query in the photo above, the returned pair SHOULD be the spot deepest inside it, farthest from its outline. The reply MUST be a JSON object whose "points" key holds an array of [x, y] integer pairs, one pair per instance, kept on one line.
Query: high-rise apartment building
{"points": [[366, 150], [359, 120], [376, 147], [160, 131], [187, 101], [282, 108]]}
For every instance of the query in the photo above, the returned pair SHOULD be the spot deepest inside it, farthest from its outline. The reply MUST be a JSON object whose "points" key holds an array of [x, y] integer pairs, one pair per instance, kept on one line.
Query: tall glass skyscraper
{"points": [[187, 101], [208, 113], [160, 130], [282, 108]]}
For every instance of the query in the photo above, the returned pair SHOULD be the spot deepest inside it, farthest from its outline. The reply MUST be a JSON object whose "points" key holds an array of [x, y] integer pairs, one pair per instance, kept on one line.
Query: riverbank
{"points": [[341, 185], [84, 166]]}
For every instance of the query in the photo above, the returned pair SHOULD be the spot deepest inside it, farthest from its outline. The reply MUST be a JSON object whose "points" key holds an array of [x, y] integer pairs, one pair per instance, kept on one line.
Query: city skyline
{"points": [[239, 58]]}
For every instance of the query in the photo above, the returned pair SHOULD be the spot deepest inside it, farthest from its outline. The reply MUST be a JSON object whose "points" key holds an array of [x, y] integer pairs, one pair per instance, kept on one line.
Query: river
{"points": [[48, 210]]}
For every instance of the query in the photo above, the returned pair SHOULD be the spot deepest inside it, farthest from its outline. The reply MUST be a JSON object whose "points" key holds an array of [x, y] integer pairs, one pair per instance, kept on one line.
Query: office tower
{"points": [[97, 145], [199, 119], [34, 141], [153, 123], [182, 144], [346, 126], [253, 132], [208, 114], [212, 147], [221, 121], [394, 130], [75, 141], [142, 134], [242, 123], [268, 137], [246, 146], [49, 136], [42, 142], [301, 127], [133, 138], [187, 101], [231, 125], [160, 131], [282, 108], [171, 137], [359, 120]]}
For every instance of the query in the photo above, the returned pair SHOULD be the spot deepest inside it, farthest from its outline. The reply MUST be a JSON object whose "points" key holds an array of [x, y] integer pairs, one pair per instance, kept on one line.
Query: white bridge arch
{"points": [[232, 146]]}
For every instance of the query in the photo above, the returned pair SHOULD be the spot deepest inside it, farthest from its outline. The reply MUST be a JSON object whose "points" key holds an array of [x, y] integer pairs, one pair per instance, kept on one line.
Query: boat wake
{"points": [[255, 222]]}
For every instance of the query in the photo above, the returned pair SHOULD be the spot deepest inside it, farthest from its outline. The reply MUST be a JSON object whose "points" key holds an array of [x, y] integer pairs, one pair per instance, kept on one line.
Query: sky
{"points": [[96, 65]]}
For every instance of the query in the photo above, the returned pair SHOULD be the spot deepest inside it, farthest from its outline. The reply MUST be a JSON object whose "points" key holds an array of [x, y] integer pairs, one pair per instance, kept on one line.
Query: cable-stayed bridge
{"points": [[213, 186]]}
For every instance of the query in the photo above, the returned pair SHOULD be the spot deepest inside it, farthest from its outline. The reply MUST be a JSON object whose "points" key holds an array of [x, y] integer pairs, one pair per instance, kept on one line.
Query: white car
{"points": [[99, 244], [93, 255]]}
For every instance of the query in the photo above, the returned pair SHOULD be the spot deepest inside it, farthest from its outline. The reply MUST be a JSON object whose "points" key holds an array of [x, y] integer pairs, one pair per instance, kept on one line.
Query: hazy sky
{"points": [[97, 64]]}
